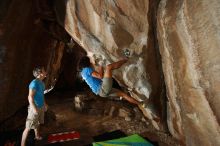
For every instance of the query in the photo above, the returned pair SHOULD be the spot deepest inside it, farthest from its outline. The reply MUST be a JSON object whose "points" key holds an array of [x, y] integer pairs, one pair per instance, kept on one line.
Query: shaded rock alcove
{"points": [[25, 43]]}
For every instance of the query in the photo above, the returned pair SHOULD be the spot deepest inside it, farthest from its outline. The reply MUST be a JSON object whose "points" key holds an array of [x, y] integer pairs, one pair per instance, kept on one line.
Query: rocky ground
{"points": [[92, 116]]}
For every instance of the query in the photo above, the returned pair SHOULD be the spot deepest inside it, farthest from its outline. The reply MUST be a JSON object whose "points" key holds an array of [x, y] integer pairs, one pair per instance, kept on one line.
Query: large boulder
{"points": [[189, 40], [108, 30]]}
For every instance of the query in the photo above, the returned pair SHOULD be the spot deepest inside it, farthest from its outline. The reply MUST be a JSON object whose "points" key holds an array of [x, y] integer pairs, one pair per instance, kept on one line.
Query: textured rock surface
{"points": [[24, 44], [105, 29], [189, 36]]}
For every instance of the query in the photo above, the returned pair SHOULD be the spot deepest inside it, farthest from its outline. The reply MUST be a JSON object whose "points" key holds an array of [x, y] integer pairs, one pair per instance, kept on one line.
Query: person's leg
{"points": [[24, 136], [40, 121], [126, 97], [41, 115], [112, 66], [108, 74], [28, 125], [37, 134]]}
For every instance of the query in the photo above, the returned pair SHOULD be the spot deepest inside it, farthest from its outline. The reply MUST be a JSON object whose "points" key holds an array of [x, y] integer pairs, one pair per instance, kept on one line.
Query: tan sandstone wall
{"points": [[189, 41], [105, 29]]}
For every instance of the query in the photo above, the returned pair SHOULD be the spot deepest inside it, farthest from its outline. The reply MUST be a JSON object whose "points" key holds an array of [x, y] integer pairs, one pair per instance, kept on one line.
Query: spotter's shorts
{"points": [[34, 120]]}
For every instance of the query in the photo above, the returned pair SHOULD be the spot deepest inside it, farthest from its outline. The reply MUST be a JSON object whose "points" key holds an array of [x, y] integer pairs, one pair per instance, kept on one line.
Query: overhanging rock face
{"points": [[189, 40], [107, 29]]}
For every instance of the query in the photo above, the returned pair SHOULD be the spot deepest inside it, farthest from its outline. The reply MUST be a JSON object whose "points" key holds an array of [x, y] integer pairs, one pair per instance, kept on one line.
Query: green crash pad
{"points": [[133, 140]]}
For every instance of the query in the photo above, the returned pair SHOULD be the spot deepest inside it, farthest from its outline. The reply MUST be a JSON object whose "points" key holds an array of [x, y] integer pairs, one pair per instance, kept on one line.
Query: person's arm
{"points": [[31, 99], [99, 73], [48, 90], [45, 106]]}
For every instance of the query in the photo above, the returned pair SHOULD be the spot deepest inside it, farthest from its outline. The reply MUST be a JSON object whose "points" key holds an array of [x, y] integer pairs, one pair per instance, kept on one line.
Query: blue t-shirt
{"points": [[94, 83], [39, 88]]}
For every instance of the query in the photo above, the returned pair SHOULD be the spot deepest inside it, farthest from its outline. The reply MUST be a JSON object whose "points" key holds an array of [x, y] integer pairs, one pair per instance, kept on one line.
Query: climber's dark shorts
{"points": [[106, 88]]}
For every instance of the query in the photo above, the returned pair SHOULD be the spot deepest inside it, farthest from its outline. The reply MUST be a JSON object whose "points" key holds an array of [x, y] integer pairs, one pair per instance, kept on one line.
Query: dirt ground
{"points": [[97, 119]]}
